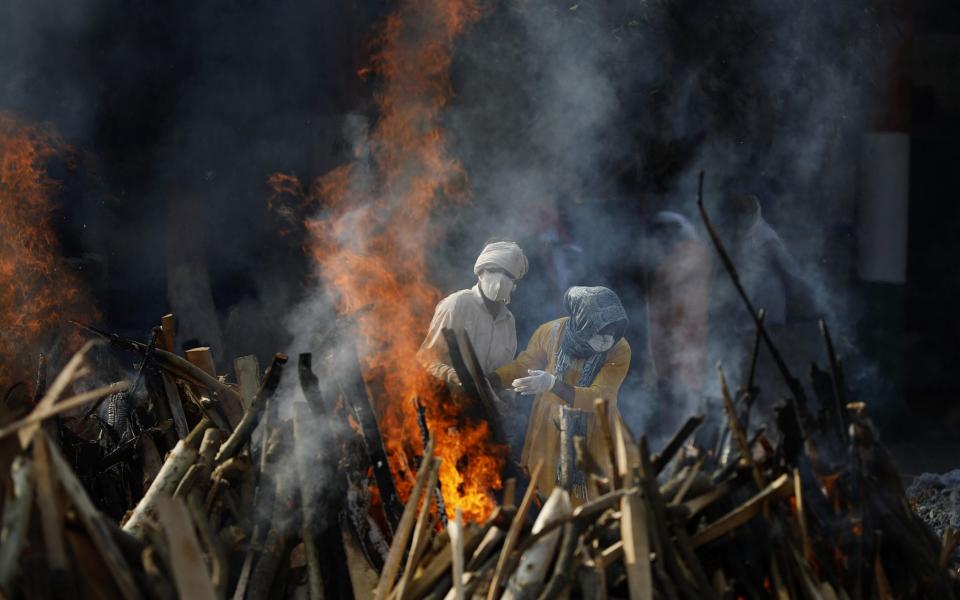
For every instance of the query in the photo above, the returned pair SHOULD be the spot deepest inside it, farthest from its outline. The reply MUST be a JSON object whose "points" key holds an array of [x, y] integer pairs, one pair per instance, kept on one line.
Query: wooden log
{"points": [[93, 522], [70, 372], [186, 558], [696, 505], [678, 554], [490, 542], [836, 379], [174, 404], [474, 381], [585, 514], [513, 534], [687, 482], [633, 521], [202, 358], [528, 579], [302, 458], [563, 570], [174, 364], [738, 433], [197, 477], [802, 518], [17, 509], [176, 465], [168, 333], [282, 529], [363, 579], [456, 549], [601, 407], [661, 460], [328, 501], [354, 390], [52, 521], [211, 542], [950, 539], [421, 531], [433, 580], [246, 370], [240, 435], [781, 487], [425, 436], [405, 526]]}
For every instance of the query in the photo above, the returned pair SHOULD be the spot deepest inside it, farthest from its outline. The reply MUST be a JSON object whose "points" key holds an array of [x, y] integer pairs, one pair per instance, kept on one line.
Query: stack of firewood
{"points": [[251, 501], [246, 502], [820, 515]]}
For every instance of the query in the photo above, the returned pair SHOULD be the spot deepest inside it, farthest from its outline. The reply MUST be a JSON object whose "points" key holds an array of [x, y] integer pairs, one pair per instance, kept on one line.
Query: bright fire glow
{"points": [[36, 293], [374, 233]]}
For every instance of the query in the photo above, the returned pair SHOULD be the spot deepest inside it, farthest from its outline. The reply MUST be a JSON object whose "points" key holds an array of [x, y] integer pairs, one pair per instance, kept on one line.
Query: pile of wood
{"points": [[822, 514], [263, 494], [246, 501]]}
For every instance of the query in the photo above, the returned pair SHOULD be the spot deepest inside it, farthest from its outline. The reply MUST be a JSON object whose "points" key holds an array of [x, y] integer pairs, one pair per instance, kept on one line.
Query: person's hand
{"points": [[537, 382]]}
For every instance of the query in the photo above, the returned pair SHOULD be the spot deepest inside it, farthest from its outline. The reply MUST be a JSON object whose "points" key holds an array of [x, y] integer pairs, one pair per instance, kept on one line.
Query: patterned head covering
{"points": [[506, 255], [591, 309]]}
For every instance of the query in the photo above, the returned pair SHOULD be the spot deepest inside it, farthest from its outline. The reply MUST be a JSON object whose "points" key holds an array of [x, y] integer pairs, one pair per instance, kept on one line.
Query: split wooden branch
{"points": [[251, 417]]}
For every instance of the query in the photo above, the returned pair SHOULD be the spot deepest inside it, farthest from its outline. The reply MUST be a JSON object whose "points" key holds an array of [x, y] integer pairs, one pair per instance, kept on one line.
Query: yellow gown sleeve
{"points": [[534, 357], [608, 381]]}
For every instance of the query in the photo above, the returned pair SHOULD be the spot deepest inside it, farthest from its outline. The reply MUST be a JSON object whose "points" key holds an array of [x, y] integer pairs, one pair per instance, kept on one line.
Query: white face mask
{"points": [[601, 343], [496, 286]]}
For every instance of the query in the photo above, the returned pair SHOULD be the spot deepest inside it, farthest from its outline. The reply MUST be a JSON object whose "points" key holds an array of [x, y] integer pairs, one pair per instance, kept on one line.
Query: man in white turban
{"points": [[481, 311]]}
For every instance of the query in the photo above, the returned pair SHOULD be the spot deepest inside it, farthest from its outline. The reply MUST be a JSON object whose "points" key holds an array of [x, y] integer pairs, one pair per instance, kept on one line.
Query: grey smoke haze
{"points": [[602, 112], [607, 111]]}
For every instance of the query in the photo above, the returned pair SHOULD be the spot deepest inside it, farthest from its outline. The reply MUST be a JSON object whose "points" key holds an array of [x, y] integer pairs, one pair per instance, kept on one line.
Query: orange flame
{"points": [[35, 291], [373, 235]]}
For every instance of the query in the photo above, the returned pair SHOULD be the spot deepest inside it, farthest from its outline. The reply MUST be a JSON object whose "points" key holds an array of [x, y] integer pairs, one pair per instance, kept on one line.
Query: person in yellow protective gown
{"points": [[570, 361]]}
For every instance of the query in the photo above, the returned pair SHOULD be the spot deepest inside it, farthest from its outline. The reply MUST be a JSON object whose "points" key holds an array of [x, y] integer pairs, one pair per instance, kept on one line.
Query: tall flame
{"points": [[373, 235], [35, 292]]}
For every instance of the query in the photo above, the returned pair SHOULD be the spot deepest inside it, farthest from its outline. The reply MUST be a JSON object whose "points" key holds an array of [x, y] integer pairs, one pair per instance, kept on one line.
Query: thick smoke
{"points": [[598, 114], [574, 121]]}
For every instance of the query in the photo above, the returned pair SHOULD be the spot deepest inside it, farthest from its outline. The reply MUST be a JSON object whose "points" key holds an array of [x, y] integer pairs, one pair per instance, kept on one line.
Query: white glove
{"points": [[537, 383]]}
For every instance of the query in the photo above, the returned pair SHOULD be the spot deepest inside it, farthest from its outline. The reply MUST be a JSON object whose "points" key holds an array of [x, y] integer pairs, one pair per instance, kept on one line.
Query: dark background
{"points": [[202, 101]]}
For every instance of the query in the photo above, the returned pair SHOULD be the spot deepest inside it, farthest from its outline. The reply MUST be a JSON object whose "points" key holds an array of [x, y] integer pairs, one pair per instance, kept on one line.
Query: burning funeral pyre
{"points": [[376, 481], [236, 508]]}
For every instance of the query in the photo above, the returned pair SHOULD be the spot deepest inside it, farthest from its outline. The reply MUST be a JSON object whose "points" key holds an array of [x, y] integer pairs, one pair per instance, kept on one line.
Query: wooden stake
{"points": [[246, 369], [202, 358], [633, 521], [420, 532], [514, 533], [168, 332], [186, 558], [16, 519], [743, 513], [180, 459], [456, 547], [69, 373], [92, 521], [404, 528], [527, 578], [51, 519]]}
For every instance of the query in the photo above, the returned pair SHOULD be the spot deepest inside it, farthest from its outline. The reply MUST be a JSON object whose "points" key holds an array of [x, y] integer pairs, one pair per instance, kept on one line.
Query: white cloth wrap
{"points": [[506, 255]]}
